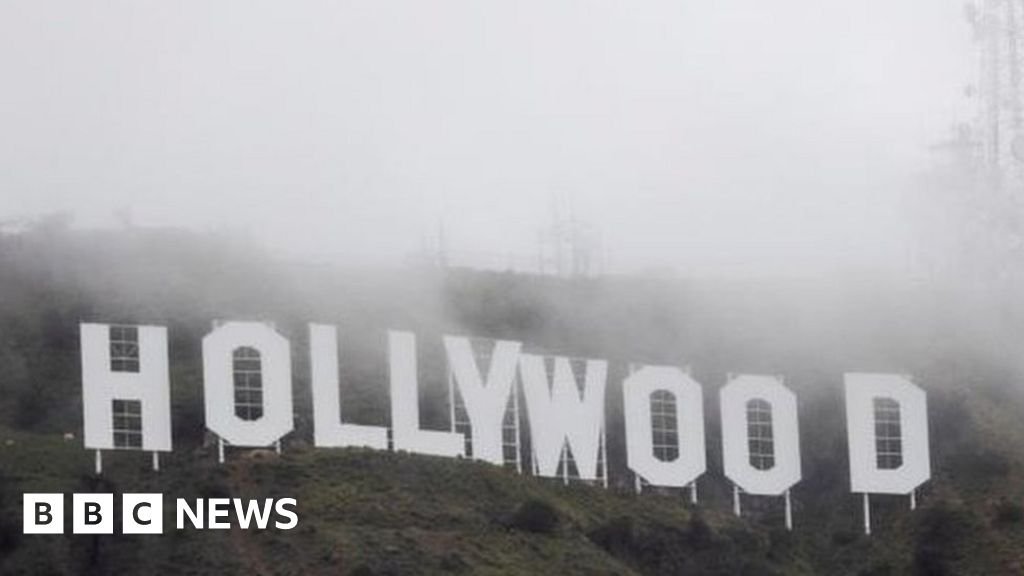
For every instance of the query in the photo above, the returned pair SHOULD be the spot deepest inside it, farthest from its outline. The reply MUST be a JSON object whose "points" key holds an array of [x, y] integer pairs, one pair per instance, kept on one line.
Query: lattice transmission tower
{"points": [[997, 132]]}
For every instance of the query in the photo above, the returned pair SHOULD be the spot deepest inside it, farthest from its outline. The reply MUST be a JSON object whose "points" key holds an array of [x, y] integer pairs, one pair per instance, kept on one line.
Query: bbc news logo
{"points": [[143, 514]]}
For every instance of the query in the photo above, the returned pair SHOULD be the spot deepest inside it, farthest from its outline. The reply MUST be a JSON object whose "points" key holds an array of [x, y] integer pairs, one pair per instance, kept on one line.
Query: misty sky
{"points": [[707, 136]]}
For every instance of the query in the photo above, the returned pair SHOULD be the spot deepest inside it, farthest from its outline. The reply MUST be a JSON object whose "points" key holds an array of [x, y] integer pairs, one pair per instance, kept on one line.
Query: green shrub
{"points": [[1008, 512], [617, 536], [940, 538], [536, 516]]}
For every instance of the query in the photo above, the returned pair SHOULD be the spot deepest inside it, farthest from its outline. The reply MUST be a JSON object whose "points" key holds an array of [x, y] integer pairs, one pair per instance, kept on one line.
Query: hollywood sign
{"points": [[247, 384]]}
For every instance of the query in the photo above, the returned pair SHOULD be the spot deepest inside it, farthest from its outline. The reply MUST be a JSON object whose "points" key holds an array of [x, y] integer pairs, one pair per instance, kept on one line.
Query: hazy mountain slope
{"points": [[382, 513]]}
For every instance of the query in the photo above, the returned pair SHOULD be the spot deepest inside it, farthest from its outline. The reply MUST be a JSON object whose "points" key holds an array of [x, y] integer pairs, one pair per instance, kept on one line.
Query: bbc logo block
{"points": [[93, 514], [144, 513], [43, 514]]}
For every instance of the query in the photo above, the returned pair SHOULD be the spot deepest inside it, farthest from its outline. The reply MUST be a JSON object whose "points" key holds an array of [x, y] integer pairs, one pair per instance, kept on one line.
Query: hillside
{"points": [[365, 512]]}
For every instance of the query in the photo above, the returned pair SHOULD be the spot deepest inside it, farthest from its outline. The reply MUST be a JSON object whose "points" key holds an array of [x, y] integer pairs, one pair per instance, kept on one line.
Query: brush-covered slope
{"points": [[364, 512]]}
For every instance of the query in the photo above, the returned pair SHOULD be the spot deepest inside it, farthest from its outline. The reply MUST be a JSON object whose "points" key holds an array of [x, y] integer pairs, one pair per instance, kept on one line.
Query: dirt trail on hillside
{"points": [[246, 549]]}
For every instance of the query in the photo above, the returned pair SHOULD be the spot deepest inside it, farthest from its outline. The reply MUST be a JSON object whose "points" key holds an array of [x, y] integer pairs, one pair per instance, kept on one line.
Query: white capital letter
{"points": [[130, 368], [677, 389], [485, 402], [247, 383], [405, 405], [760, 435], [560, 418], [887, 429], [328, 430]]}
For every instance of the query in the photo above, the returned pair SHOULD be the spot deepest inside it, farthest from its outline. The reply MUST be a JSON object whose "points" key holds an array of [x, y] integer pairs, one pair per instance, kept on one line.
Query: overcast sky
{"points": [[707, 136]]}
